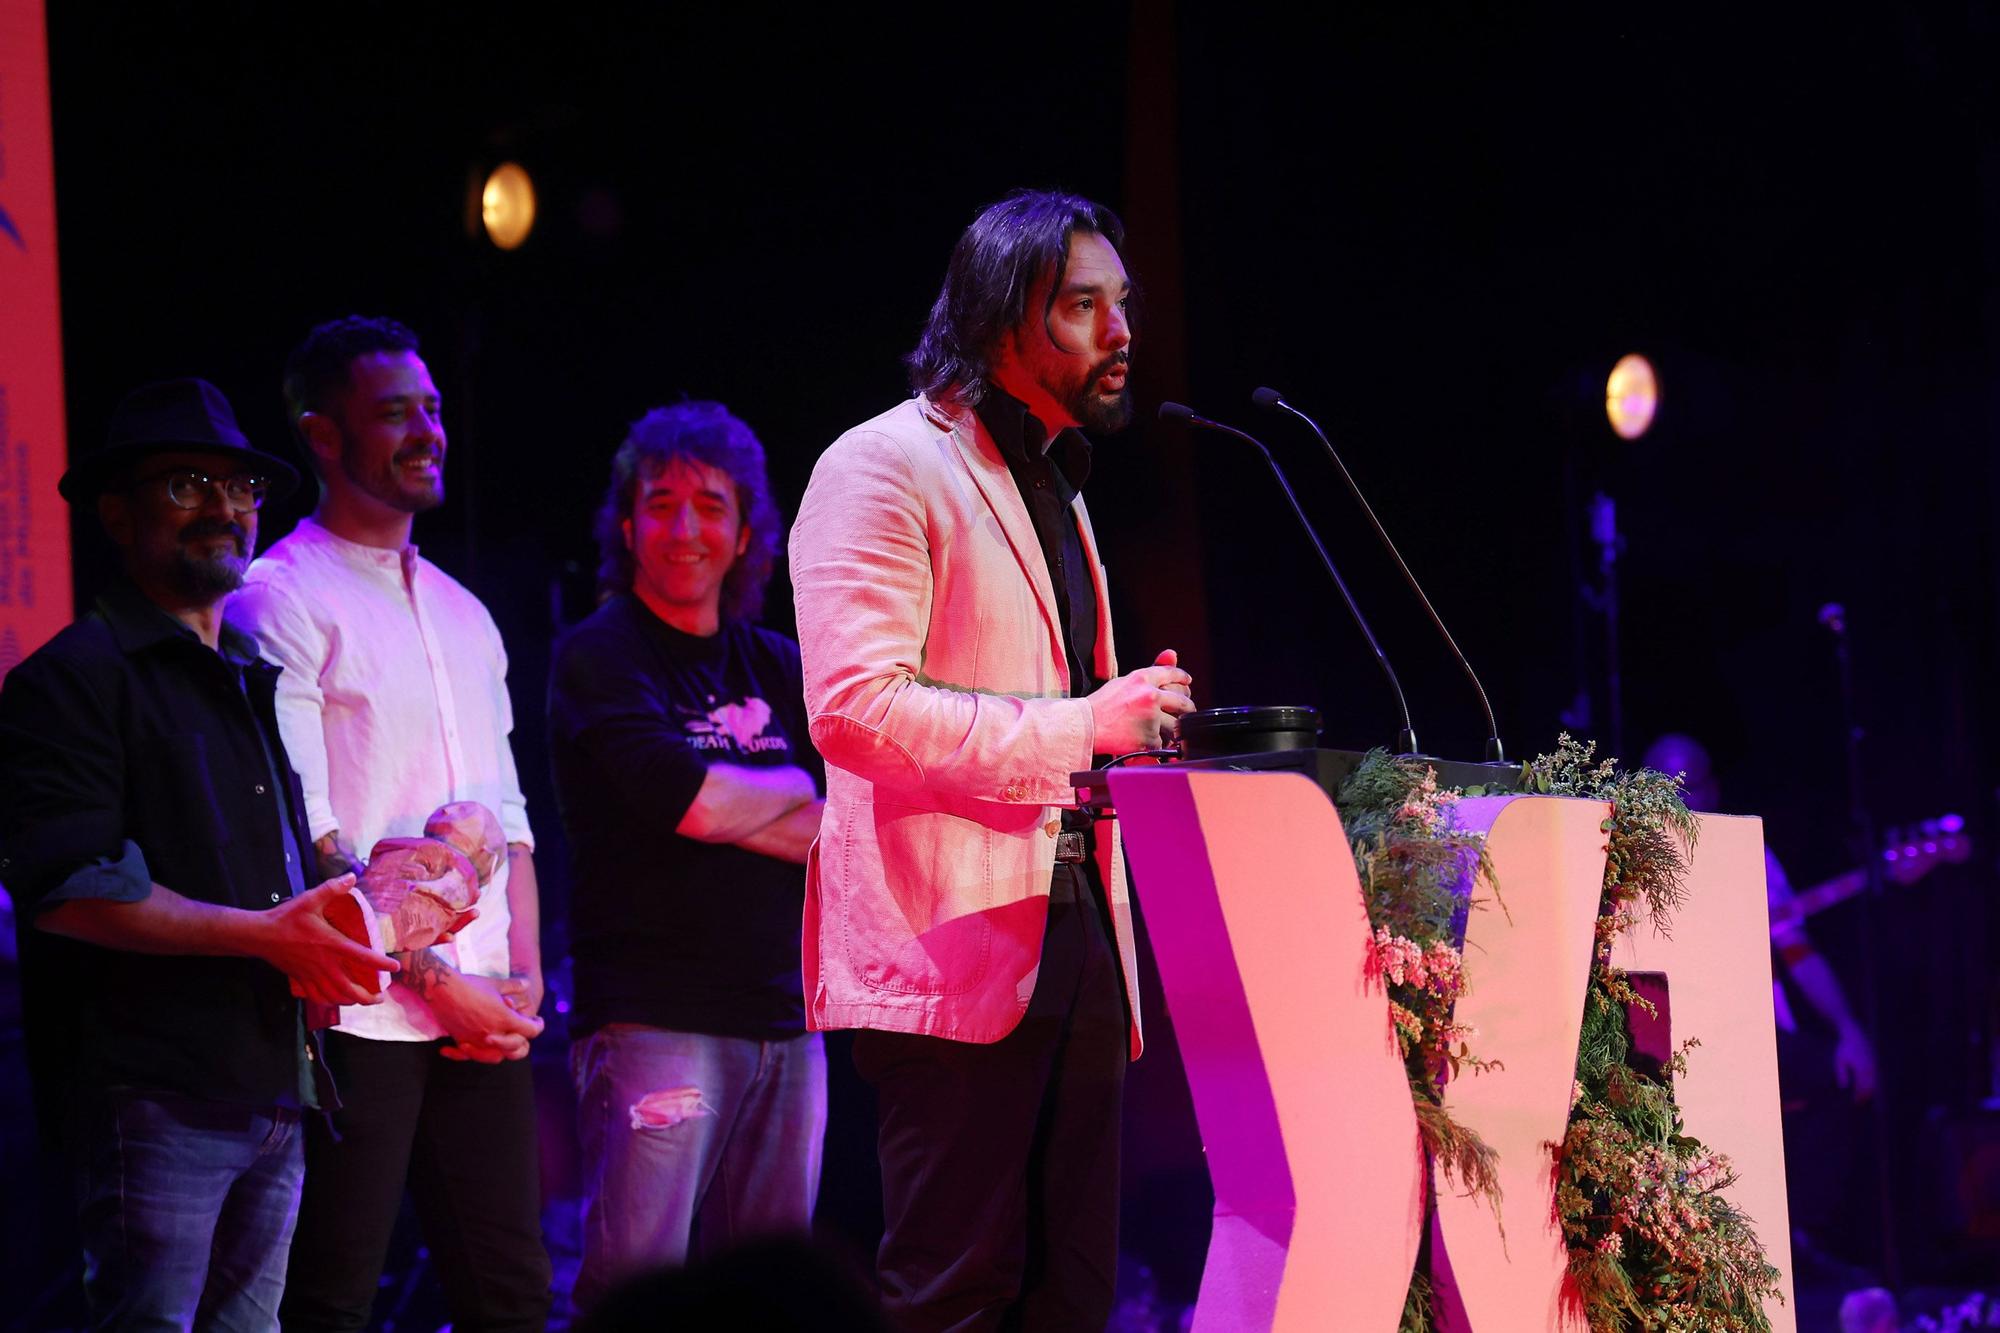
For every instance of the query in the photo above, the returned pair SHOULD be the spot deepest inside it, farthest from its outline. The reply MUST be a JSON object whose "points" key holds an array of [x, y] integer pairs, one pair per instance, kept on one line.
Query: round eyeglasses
{"points": [[190, 489]]}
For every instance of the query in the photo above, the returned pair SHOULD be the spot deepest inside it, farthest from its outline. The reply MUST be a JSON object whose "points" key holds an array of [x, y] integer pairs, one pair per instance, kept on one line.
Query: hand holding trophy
{"points": [[418, 891]]}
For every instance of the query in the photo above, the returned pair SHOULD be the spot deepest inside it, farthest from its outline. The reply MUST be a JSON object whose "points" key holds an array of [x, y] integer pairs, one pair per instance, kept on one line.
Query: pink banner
{"points": [[34, 521]]}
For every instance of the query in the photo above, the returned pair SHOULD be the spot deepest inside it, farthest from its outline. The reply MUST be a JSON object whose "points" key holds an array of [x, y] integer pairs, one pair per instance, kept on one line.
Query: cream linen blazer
{"points": [[935, 682]]}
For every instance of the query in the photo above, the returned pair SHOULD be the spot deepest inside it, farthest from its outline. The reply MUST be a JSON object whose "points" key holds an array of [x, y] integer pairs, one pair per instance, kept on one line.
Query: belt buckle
{"points": [[1072, 847]]}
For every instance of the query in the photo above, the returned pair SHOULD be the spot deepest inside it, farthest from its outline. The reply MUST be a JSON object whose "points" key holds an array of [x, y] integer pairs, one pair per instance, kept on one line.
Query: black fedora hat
{"points": [[172, 415]]}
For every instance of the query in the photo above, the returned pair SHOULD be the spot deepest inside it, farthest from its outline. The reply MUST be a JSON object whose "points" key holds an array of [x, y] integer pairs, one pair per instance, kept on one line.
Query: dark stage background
{"points": [[1436, 231]]}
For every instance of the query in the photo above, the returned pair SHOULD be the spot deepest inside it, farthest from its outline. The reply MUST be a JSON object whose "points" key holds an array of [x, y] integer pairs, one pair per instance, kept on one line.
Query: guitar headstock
{"points": [[1913, 852]]}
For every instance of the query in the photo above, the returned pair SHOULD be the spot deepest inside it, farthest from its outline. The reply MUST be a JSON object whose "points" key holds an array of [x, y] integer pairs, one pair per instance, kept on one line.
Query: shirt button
{"points": [[260, 789], [274, 897]]}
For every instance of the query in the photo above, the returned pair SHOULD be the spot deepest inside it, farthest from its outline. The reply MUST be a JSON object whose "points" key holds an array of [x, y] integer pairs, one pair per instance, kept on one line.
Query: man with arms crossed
{"points": [[152, 831], [394, 701], [958, 668], [677, 732]]}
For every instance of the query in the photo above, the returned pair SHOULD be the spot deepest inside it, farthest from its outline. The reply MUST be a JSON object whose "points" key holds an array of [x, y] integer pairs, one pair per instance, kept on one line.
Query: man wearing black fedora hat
{"points": [[152, 830]]}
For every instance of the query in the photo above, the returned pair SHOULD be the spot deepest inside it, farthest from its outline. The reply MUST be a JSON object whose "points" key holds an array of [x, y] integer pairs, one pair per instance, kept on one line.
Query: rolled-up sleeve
{"points": [[62, 791], [121, 879], [513, 810]]}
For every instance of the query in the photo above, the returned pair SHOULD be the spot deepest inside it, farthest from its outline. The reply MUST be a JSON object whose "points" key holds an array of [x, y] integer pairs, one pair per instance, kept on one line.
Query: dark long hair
{"points": [[999, 257], [693, 432]]}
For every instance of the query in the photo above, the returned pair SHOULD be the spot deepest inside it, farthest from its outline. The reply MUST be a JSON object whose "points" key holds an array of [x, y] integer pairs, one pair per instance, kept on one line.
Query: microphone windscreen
{"points": [[1267, 397], [1175, 412]]}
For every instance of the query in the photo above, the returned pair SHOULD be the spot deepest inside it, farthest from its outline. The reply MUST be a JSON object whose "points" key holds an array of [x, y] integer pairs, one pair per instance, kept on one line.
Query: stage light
{"points": [[507, 206], [1631, 396]]}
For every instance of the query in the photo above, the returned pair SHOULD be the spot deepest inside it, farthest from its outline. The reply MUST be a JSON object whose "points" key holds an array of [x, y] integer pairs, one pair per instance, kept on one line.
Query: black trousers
{"points": [[1000, 1162], [462, 1136]]}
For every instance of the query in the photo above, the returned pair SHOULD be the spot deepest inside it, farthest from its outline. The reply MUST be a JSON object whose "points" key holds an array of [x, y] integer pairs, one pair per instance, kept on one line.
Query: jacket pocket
{"points": [[917, 886]]}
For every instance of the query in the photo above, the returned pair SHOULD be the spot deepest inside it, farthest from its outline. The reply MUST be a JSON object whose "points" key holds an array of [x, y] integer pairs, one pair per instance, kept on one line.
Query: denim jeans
{"points": [[186, 1208], [678, 1126]]}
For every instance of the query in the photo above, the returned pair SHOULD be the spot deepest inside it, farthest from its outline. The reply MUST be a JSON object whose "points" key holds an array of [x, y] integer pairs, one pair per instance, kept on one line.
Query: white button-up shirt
{"points": [[392, 702]]}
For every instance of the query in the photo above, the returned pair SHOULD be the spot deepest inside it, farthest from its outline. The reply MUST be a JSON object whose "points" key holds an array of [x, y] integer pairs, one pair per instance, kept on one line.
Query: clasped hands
{"points": [[490, 1019]]}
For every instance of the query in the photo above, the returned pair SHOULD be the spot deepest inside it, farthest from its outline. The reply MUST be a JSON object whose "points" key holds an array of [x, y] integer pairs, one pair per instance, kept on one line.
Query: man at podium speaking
{"points": [[956, 640]]}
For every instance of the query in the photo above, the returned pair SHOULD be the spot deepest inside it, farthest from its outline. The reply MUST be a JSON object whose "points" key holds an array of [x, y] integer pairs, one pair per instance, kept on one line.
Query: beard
{"points": [[389, 485], [207, 576], [1103, 412]]}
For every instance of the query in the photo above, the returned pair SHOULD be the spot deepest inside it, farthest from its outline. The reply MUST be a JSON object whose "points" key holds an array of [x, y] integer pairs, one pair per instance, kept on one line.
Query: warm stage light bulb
{"points": [[1631, 396], [507, 206]]}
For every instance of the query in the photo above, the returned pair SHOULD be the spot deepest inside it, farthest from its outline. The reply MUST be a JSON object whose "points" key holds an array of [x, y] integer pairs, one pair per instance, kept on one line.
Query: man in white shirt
{"points": [[393, 701]]}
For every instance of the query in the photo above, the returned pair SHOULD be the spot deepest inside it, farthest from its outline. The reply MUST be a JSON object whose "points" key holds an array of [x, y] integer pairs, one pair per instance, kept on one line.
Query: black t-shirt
{"points": [[667, 930]]}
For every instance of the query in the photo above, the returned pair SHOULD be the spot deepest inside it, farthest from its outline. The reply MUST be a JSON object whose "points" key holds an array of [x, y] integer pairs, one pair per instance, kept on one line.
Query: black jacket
{"points": [[132, 754]]}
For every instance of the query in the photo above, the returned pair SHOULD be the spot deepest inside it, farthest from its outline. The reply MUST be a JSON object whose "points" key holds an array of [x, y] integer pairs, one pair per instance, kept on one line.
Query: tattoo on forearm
{"points": [[333, 858], [422, 970]]}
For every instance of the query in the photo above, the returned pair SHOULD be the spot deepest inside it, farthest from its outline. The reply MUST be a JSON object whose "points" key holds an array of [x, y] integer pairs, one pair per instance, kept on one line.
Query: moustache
{"points": [[202, 529], [1122, 357]]}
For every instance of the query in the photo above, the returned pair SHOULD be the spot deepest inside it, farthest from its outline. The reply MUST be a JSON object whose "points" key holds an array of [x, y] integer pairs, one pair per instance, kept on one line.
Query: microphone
{"points": [[1272, 400], [1406, 740]]}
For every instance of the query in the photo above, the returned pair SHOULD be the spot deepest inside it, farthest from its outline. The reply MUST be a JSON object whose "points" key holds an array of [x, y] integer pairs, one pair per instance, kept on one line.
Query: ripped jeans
{"points": [[679, 1126]]}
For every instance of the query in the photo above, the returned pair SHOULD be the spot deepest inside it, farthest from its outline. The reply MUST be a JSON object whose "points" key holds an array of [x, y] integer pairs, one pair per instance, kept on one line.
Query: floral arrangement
{"points": [[1654, 1244], [1419, 876]]}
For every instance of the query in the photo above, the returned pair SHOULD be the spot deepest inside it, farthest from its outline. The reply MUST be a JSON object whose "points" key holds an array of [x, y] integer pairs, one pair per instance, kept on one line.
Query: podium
{"points": [[1257, 921]]}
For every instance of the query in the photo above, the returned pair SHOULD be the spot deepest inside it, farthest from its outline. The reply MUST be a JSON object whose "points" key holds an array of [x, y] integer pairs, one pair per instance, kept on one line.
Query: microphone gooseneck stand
{"points": [[1406, 740], [1272, 400]]}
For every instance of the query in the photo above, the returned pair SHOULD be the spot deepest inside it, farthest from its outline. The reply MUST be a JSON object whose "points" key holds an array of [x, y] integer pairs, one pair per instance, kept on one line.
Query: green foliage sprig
{"points": [[1654, 1244], [1419, 876]]}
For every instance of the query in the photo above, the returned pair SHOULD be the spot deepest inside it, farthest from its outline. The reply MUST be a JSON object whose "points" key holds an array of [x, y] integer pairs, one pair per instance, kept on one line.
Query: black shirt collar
{"points": [[1022, 437], [137, 623]]}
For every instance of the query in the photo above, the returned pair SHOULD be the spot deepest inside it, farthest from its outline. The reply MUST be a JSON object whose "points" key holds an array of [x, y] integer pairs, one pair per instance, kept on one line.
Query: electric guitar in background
{"points": [[1909, 855]]}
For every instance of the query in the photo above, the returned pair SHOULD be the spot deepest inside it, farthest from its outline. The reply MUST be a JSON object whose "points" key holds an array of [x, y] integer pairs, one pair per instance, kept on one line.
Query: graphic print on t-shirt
{"points": [[739, 725]]}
